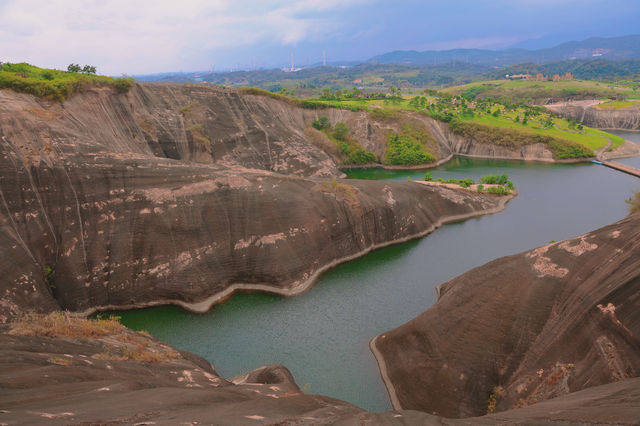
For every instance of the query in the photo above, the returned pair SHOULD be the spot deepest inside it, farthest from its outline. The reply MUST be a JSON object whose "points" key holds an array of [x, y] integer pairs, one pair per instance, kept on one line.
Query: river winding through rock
{"points": [[323, 335]]}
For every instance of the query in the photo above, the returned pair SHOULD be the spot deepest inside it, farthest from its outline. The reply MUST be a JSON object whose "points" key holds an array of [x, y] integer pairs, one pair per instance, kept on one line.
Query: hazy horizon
{"points": [[120, 37]]}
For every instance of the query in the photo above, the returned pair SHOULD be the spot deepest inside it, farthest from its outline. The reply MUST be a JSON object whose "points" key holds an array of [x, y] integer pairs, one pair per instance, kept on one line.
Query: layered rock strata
{"points": [[523, 329], [588, 113], [96, 214]]}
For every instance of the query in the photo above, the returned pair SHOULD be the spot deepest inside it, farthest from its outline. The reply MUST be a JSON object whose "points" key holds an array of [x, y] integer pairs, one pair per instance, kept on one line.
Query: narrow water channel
{"points": [[323, 335]]}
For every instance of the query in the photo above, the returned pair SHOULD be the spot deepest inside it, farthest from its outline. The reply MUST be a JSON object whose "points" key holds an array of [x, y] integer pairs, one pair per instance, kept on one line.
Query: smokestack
{"points": [[324, 58], [292, 61]]}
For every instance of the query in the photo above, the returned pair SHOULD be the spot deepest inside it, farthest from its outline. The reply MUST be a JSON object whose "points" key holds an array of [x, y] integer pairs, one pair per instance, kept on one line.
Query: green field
{"points": [[54, 84], [521, 121], [522, 91], [591, 138], [617, 105]]}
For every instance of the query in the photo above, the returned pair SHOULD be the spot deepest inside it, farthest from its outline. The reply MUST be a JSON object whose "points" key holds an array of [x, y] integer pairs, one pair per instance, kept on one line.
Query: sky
{"points": [[149, 36]]}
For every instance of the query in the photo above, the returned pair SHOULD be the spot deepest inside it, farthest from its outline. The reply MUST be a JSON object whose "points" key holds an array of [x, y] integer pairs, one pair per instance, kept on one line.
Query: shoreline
{"points": [[205, 304]]}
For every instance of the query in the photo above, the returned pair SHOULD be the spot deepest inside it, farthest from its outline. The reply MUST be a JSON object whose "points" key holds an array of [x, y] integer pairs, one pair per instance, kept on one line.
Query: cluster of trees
{"points": [[353, 153], [330, 94], [87, 69], [404, 150]]}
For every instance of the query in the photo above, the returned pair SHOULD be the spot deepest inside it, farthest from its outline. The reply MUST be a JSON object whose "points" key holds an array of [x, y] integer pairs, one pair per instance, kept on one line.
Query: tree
{"points": [[89, 69], [74, 68], [340, 131]]}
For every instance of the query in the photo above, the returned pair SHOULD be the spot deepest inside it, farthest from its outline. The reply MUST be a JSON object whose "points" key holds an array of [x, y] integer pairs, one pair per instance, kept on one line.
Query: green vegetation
{"points": [[465, 183], [500, 184], [340, 131], [502, 179], [405, 150], [55, 85], [353, 153], [536, 92], [616, 105], [493, 398], [498, 190], [356, 154], [321, 123]]}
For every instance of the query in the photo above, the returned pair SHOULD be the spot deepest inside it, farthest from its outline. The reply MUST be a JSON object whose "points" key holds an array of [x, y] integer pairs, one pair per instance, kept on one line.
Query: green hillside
{"points": [[53, 84]]}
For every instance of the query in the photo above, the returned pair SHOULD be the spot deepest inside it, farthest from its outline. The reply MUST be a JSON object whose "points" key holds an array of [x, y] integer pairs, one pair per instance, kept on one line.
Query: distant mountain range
{"points": [[612, 48], [594, 58]]}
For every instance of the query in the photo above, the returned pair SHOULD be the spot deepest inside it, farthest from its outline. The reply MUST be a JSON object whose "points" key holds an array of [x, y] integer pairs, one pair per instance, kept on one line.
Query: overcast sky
{"points": [[135, 37]]}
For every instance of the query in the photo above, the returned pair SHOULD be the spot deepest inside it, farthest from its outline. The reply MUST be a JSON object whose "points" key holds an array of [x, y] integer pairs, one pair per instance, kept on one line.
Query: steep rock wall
{"points": [[524, 328], [589, 114], [92, 217]]}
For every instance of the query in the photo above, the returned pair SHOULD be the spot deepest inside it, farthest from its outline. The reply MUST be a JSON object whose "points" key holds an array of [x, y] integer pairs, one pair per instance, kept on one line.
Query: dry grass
{"points": [[122, 344], [347, 192], [62, 324], [146, 124], [59, 361]]}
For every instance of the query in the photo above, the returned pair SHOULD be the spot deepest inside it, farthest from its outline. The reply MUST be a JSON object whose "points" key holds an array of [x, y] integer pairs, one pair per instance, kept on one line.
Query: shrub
{"points": [[321, 123], [499, 190], [356, 154], [404, 150], [428, 177], [480, 187], [340, 131], [502, 179]]}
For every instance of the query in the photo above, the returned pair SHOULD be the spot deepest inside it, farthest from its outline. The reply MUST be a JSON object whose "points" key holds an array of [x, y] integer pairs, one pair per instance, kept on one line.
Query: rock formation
{"points": [[182, 194], [123, 377], [108, 201], [523, 329], [588, 113]]}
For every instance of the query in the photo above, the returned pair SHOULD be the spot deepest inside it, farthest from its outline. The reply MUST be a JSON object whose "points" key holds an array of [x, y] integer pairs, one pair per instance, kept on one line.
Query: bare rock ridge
{"points": [[523, 329], [107, 201], [62, 380]]}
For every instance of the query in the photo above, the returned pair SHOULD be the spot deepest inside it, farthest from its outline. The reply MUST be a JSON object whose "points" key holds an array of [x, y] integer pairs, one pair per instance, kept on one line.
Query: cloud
{"points": [[143, 36]]}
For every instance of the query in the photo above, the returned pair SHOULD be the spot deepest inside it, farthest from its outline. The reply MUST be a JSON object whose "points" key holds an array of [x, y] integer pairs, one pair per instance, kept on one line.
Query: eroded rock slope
{"points": [[95, 213], [524, 328], [588, 113]]}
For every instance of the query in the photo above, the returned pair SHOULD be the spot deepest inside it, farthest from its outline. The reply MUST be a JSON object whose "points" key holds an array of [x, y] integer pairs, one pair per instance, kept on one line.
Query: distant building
{"points": [[518, 76], [540, 77]]}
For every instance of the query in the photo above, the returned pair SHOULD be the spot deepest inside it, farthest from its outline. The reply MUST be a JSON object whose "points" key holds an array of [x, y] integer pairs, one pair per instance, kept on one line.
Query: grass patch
{"points": [[53, 84], [129, 346], [616, 105], [522, 91], [514, 137], [61, 324], [385, 114], [302, 103]]}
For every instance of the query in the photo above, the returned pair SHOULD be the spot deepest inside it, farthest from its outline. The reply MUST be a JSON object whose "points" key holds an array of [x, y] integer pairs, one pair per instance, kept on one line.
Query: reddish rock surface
{"points": [[524, 328]]}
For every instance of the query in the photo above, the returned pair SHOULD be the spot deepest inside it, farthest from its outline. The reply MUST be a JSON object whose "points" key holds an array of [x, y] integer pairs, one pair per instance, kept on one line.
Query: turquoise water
{"points": [[322, 336]]}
